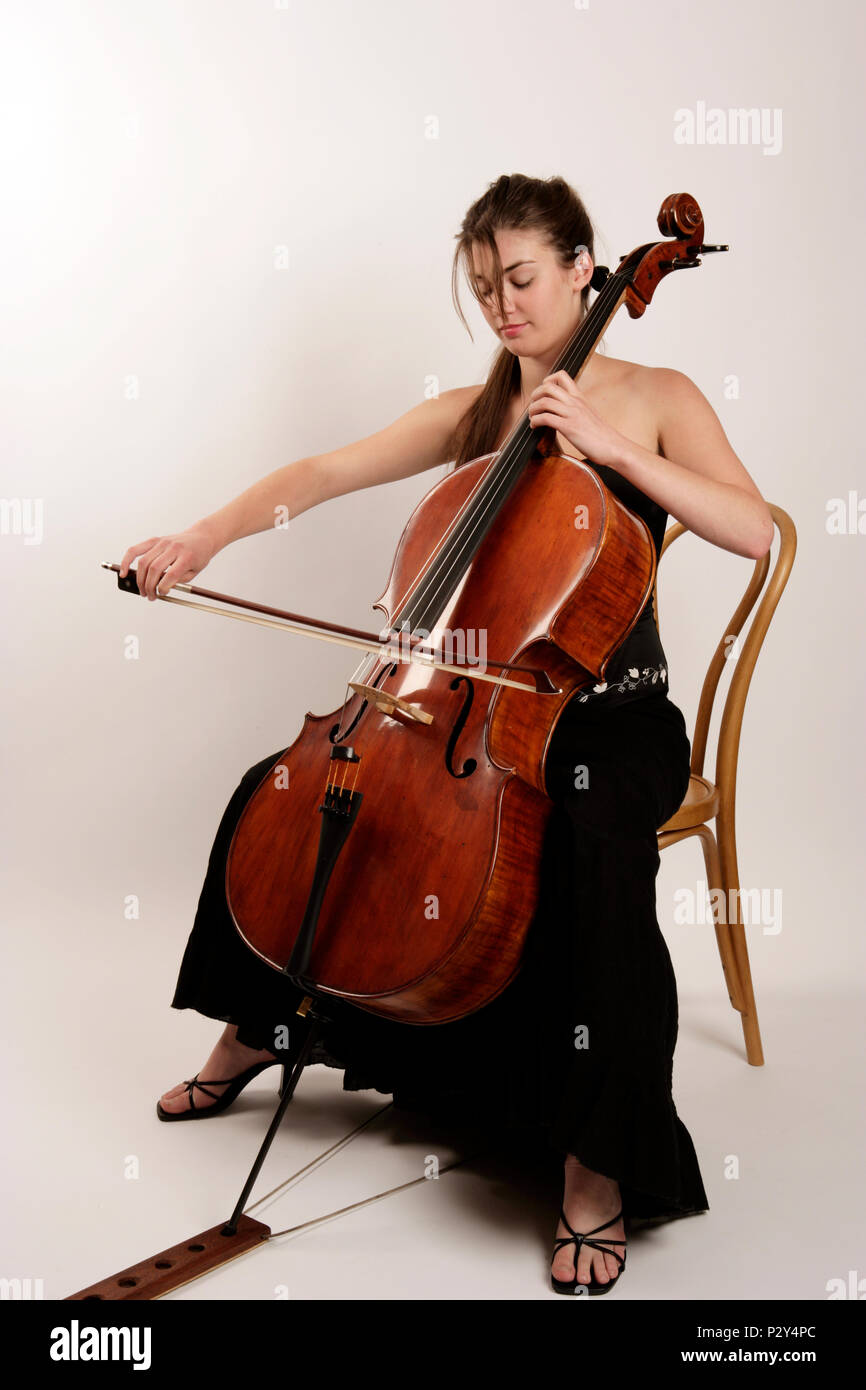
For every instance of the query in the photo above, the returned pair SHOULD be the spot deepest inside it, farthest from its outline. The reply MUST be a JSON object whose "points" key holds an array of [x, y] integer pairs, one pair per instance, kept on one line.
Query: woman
{"points": [[578, 1051]]}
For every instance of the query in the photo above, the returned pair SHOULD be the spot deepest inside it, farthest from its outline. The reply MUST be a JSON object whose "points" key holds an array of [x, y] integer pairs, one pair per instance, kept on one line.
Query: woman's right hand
{"points": [[167, 560]]}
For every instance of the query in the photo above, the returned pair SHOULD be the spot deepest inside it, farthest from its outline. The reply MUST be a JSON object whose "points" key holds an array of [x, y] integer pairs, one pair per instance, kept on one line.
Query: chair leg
{"points": [[727, 850], [749, 1012], [723, 930]]}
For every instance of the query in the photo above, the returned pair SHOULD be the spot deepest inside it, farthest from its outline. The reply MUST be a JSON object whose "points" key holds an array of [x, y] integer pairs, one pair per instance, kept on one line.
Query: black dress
{"points": [[576, 1055]]}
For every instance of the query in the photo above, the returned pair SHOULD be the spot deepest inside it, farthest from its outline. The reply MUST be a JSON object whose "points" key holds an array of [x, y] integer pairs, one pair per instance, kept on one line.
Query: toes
{"points": [[175, 1091], [599, 1265], [562, 1265], [177, 1099], [171, 1102]]}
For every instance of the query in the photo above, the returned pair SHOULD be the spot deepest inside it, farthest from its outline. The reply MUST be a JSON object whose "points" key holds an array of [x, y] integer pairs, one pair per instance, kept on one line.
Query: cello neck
{"points": [[429, 596]]}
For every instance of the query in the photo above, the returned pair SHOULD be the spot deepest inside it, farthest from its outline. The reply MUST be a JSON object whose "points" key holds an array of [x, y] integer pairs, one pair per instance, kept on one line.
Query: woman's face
{"points": [[540, 296]]}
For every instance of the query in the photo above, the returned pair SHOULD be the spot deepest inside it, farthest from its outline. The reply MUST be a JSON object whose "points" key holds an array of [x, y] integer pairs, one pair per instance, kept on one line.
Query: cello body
{"points": [[428, 905]]}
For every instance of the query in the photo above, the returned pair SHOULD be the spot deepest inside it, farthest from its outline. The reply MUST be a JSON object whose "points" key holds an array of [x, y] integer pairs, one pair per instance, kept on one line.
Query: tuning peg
{"points": [[680, 263], [705, 250]]}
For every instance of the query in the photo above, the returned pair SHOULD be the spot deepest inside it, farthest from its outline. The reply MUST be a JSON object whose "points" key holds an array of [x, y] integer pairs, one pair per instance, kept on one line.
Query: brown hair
{"points": [[513, 203]]}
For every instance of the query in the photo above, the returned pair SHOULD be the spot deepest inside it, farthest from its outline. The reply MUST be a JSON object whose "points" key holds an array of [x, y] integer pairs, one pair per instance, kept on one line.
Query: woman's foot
{"points": [[590, 1200], [228, 1059]]}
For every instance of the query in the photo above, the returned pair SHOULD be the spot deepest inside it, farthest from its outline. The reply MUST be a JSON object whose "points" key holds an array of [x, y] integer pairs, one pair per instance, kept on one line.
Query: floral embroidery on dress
{"points": [[630, 681]]}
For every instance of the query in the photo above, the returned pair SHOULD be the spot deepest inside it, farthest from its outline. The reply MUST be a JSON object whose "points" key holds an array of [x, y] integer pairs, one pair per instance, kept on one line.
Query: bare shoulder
{"points": [[620, 385], [685, 419], [629, 380], [460, 398], [661, 396], [672, 387], [689, 430], [618, 374], [455, 403]]}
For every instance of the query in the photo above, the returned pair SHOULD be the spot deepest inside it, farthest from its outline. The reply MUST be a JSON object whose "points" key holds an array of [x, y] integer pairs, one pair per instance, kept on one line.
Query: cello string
{"points": [[473, 496], [503, 472], [480, 506], [507, 473], [474, 501], [569, 362]]}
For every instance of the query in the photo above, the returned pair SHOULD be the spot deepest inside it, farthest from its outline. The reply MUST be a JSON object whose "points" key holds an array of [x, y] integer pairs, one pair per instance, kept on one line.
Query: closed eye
{"points": [[518, 285]]}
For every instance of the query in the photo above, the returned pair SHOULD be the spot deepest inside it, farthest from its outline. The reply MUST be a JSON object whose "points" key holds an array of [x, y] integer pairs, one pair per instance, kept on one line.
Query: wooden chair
{"points": [[708, 800]]}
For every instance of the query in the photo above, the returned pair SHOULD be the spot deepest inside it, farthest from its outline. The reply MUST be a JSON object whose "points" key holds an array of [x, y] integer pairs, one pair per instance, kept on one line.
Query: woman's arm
{"points": [[696, 476], [412, 443]]}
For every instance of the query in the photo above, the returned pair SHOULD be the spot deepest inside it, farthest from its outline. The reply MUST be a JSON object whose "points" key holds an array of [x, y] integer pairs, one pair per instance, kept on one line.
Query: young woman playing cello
{"points": [[596, 958]]}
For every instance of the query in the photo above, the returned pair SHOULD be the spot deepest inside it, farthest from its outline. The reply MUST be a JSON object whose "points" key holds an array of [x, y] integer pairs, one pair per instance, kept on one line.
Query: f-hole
{"points": [[470, 765]]}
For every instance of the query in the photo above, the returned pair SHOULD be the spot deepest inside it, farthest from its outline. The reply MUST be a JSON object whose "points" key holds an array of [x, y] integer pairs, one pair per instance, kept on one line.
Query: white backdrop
{"points": [[161, 162]]}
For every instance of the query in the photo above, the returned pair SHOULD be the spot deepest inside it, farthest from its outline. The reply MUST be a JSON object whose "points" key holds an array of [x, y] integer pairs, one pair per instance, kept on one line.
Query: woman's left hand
{"points": [[560, 403]]}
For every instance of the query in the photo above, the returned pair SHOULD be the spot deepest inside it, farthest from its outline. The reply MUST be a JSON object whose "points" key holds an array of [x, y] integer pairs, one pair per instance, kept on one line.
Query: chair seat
{"points": [[701, 804]]}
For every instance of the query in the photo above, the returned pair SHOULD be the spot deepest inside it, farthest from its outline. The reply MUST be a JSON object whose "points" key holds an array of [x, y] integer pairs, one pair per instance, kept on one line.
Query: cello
{"points": [[432, 772]]}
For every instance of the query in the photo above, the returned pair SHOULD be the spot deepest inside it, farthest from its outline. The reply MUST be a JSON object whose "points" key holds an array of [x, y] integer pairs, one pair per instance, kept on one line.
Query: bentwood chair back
{"points": [[714, 800]]}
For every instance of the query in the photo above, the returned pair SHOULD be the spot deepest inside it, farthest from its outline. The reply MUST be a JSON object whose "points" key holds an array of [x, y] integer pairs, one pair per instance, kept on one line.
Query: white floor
{"points": [[79, 1102]]}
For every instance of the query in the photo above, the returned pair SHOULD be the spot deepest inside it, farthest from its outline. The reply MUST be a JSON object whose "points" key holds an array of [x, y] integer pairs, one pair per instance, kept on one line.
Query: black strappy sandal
{"points": [[576, 1239], [235, 1085]]}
